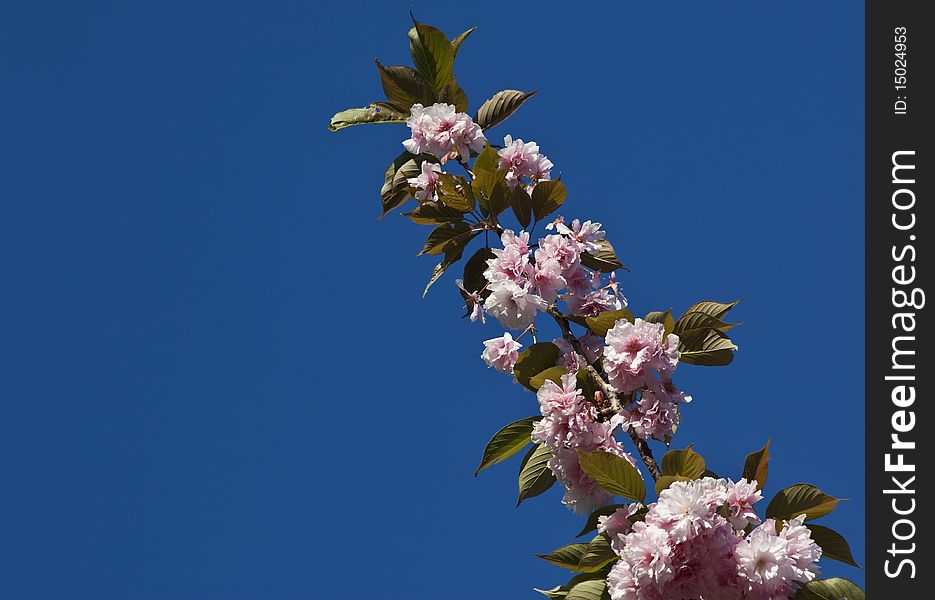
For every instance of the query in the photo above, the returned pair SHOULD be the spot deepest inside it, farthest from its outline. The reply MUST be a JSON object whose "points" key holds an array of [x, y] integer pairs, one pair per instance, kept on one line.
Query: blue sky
{"points": [[219, 379]]}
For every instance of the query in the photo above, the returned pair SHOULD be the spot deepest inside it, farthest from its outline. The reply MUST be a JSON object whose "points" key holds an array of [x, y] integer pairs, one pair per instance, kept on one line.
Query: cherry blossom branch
{"points": [[646, 454], [611, 404]]}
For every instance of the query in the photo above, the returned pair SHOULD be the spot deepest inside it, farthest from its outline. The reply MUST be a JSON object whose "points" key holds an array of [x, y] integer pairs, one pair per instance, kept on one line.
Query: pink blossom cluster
{"points": [[570, 425], [443, 132], [692, 544], [522, 281], [523, 163], [635, 350], [656, 413]]}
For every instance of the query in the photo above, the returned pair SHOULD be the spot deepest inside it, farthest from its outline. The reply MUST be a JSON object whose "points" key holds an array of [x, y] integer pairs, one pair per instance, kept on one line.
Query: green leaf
{"points": [[600, 324], [433, 213], [709, 307], [395, 188], [533, 360], [592, 589], [686, 463], [454, 191], [614, 473], [604, 260], [474, 269], [833, 545], [547, 196], [692, 321], [363, 116], [566, 557], [561, 591], [500, 197], [503, 104], [456, 43], [597, 555], [604, 511], [453, 252], [801, 498], [453, 94], [665, 318], [709, 348], [432, 53], [835, 588], [665, 481], [487, 160], [521, 204], [756, 466], [404, 87], [444, 236], [551, 374], [486, 175], [535, 476], [556, 593], [507, 442]]}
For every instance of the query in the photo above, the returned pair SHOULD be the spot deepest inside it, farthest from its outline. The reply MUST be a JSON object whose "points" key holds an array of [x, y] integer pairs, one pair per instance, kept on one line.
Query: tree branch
{"points": [[611, 403]]}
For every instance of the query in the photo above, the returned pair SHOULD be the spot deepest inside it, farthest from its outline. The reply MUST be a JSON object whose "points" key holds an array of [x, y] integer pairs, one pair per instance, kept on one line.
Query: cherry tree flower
{"points": [[618, 524], [593, 303], [443, 132], [523, 163], [560, 249], [586, 235], [635, 349], [771, 564], [426, 181], [685, 548], [514, 305], [652, 416], [475, 304], [741, 497], [501, 353]]}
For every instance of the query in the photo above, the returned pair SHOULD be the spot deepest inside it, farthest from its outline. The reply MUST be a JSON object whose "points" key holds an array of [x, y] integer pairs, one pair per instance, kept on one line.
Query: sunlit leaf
{"points": [[404, 87], [606, 320], [432, 53], [535, 476], [832, 544], [614, 473], [547, 196], [553, 374], [801, 498], [709, 348], [507, 442], [756, 466], [503, 104], [533, 360], [604, 260], [458, 40], [835, 588], [363, 116], [686, 463], [444, 236]]}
